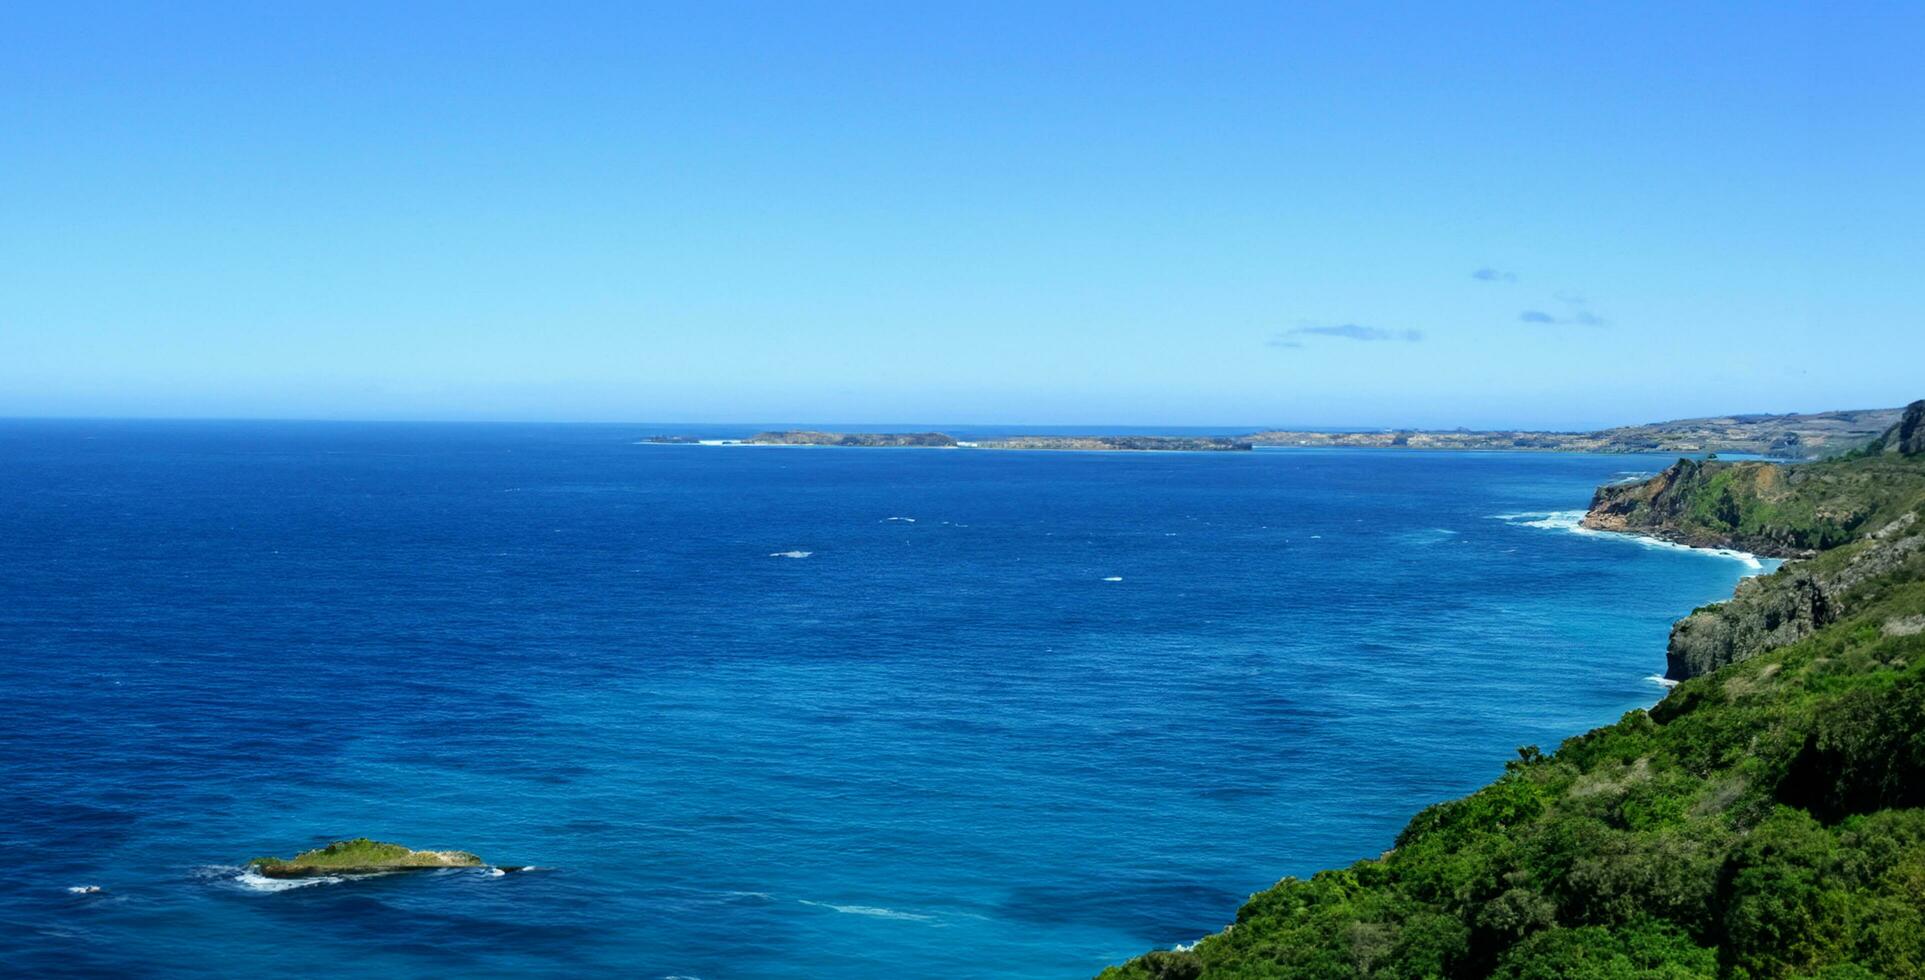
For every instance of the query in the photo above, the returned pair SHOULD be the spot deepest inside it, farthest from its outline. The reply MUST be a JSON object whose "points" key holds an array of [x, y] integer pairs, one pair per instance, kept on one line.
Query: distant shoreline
{"points": [[940, 440], [1777, 437]]}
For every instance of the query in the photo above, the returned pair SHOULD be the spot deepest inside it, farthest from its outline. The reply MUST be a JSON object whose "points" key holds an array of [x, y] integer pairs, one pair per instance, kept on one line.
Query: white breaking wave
{"points": [[871, 910], [1571, 521], [1114, 578], [255, 881], [904, 520], [84, 889], [790, 554], [1661, 680]]}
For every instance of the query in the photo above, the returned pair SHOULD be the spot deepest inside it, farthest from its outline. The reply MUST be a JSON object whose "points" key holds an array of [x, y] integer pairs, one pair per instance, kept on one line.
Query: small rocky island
{"points": [[362, 856]]}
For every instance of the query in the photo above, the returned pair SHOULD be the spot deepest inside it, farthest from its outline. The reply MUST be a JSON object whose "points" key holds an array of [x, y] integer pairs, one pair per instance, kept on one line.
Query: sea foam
{"points": [[874, 911], [1572, 521], [253, 880]]}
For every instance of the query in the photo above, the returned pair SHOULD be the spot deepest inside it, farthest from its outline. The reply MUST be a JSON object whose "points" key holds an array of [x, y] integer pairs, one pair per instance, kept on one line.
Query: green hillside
{"points": [[1763, 820]]}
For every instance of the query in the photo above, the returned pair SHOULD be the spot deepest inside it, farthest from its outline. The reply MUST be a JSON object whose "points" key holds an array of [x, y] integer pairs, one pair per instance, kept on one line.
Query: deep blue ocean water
{"points": [[1079, 707]]}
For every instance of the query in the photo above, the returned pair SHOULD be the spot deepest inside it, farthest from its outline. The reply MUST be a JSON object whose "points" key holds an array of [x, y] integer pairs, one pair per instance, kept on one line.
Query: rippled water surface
{"points": [[759, 712]]}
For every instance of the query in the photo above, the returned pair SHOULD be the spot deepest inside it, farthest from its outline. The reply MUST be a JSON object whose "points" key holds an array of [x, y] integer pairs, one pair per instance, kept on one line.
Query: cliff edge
{"points": [[1766, 819], [1852, 518]]}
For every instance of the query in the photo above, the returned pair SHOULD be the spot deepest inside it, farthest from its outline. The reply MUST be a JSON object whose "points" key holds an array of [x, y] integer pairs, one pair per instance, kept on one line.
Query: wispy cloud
{"points": [[1577, 313], [1578, 318], [1352, 331], [1488, 274], [1282, 341]]}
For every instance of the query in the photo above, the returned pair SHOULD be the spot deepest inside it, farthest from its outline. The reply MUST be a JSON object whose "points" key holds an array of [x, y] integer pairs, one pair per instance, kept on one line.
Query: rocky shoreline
{"points": [[1763, 820], [1839, 524]]}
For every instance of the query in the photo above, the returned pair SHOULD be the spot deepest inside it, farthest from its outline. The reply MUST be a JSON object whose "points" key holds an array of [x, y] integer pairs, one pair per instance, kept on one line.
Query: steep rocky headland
{"points": [[1766, 819], [1851, 518]]}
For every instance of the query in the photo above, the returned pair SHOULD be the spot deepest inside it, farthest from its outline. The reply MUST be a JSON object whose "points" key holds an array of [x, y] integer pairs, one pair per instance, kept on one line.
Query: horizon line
{"points": [[845, 427]]}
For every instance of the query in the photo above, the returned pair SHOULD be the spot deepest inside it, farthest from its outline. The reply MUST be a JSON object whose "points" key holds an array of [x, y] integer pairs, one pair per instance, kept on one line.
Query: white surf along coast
{"points": [[1571, 521]]}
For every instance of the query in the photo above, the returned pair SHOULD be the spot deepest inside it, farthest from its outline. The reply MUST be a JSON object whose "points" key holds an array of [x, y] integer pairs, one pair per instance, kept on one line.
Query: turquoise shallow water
{"points": [[1014, 714]]}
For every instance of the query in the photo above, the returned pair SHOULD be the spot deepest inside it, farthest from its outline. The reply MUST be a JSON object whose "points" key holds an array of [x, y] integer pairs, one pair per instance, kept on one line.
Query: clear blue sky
{"points": [[1024, 213]]}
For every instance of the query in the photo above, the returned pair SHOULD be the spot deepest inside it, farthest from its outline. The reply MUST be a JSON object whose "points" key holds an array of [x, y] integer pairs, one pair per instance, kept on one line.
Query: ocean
{"points": [[759, 711]]}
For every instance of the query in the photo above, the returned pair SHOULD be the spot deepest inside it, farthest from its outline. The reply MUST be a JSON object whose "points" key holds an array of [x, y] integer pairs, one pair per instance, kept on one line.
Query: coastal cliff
{"points": [[1766, 819], [1853, 518]]}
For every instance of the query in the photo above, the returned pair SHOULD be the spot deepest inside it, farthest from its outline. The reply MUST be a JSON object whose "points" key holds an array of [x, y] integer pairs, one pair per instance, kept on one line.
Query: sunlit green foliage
{"points": [[1762, 821], [364, 853]]}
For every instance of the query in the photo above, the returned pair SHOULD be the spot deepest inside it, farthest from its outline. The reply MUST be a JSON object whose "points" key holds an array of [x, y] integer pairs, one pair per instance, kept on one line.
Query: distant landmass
{"points": [[939, 440], [1807, 436], [1792, 437], [1180, 444], [936, 440]]}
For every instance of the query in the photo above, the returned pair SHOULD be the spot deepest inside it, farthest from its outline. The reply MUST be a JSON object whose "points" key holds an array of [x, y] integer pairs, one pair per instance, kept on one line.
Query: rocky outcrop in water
{"points": [[361, 856]]}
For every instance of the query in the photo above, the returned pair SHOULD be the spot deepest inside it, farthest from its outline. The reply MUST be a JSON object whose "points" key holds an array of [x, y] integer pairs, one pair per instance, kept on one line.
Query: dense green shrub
{"points": [[1766, 820]]}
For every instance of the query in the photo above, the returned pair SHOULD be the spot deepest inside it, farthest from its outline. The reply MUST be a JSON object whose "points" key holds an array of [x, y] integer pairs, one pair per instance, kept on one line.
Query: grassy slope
{"points": [[1772, 508], [364, 853], [1761, 821]]}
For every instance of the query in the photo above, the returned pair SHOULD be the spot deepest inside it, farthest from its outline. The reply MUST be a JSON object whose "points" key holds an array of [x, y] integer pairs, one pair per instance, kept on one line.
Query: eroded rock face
{"points": [[1771, 611], [1614, 506], [1908, 436], [1764, 614], [1700, 504]]}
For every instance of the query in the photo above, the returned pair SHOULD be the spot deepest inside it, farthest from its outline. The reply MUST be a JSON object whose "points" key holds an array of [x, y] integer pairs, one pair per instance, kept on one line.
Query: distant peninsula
{"points": [[1807, 436], [1788, 437], [939, 440]]}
